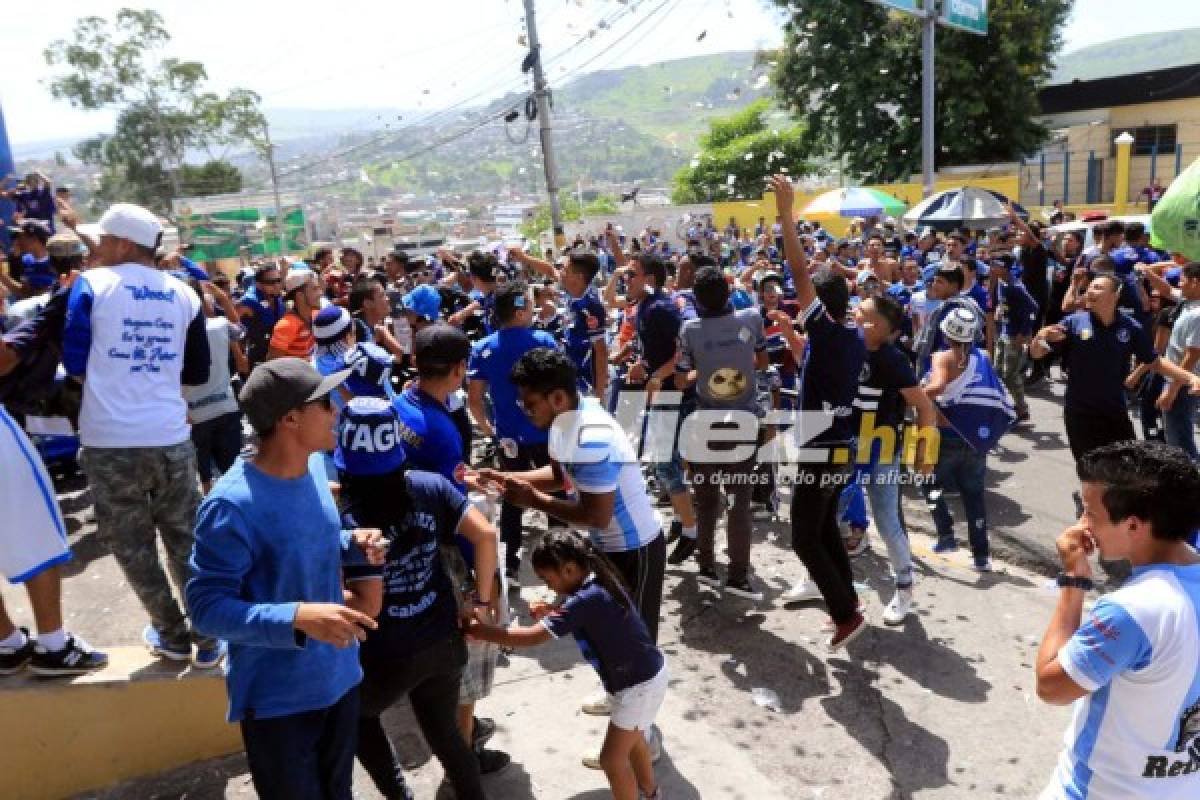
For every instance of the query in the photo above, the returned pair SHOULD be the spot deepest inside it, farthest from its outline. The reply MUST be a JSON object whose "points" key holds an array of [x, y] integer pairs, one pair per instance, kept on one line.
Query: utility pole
{"points": [[928, 36], [541, 94], [275, 188]]}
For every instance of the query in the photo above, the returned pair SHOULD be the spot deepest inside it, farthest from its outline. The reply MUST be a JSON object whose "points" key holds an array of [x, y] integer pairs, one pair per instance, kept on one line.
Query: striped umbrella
{"points": [[962, 207], [858, 202]]}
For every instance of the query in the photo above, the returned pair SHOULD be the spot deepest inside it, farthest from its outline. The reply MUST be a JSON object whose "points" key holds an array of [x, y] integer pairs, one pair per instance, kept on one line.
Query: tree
{"points": [[850, 71], [213, 177], [571, 212], [163, 109], [737, 155]]}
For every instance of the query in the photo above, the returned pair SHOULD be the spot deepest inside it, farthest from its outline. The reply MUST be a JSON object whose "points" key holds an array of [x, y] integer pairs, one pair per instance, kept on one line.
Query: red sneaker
{"points": [[847, 632]]}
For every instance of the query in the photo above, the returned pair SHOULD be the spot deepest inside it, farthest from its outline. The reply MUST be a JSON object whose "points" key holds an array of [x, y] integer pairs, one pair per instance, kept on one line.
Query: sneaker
{"points": [[513, 578], [741, 587], [482, 730], [684, 549], [491, 761], [598, 705], [856, 541], [802, 592], [13, 660], [709, 577], [846, 633], [211, 656], [675, 531], [898, 608], [829, 626], [159, 646], [592, 761], [77, 658], [982, 566], [945, 546], [653, 738]]}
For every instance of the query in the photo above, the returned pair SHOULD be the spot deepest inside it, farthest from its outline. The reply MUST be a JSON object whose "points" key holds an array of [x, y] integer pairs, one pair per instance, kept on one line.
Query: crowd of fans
{"points": [[320, 447]]}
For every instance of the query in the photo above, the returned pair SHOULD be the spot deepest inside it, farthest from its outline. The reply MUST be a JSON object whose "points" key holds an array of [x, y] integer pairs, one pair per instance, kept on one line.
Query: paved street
{"points": [[942, 707]]}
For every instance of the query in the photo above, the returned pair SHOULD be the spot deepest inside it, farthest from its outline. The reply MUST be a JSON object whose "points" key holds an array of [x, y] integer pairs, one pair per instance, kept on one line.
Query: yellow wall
{"points": [[747, 212]]}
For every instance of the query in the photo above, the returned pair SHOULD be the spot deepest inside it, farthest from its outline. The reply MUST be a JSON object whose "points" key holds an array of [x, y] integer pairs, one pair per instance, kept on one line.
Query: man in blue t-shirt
{"points": [[266, 577], [1129, 664], [521, 444], [833, 362], [1096, 345], [1016, 312]]}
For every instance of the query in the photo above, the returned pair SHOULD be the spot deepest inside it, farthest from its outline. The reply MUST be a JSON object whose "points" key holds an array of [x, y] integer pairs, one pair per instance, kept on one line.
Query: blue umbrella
{"points": [[963, 207]]}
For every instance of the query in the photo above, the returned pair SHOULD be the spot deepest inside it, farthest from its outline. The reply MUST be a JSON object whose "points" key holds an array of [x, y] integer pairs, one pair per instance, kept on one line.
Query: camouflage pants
{"points": [[137, 491], [1010, 361]]}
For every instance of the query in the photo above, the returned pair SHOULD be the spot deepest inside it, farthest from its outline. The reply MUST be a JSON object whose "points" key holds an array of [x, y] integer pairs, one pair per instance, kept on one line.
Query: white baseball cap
{"points": [[298, 277], [134, 223]]}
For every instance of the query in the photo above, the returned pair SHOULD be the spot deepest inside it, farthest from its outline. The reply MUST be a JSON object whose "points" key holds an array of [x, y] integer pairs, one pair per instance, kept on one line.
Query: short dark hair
{"points": [[586, 264], [361, 291], [262, 271], [1114, 227], [702, 260], [711, 290], [509, 299], [483, 266], [1149, 480], [890, 309], [1135, 231], [653, 266], [957, 237], [833, 292], [1191, 270], [320, 253], [953, 274], [1112, 278], [544, 370], [873, 236]]}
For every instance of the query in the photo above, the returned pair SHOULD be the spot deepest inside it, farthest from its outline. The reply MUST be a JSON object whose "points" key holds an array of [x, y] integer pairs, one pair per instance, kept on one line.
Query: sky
{"points": [[425, 54]]}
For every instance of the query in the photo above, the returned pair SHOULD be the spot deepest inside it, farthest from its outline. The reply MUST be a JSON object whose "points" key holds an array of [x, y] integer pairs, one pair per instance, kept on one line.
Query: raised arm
{"points": [[785, 197]]}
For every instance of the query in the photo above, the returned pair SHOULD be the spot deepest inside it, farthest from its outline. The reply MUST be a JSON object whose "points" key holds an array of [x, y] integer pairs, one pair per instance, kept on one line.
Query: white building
{"points": [[510, 218]]}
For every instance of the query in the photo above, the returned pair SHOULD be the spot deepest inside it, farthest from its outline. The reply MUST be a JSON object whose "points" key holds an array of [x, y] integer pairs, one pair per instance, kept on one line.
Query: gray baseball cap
{"points": [[281, 385]]}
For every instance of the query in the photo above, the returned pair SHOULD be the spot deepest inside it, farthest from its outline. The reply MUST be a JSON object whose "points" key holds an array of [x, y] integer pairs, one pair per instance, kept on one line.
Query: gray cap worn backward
{"points": [[284, 384]]}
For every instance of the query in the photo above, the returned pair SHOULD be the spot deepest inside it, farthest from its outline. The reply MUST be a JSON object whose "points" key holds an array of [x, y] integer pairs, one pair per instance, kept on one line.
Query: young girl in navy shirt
{"points": [[612, 636]]}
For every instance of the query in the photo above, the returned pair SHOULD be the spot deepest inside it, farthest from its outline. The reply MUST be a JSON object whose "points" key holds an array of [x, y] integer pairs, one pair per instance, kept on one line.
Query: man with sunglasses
{"points": [[258, 311]]}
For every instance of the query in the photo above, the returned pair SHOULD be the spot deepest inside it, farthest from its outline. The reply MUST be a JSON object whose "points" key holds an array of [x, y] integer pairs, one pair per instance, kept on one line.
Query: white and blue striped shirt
{"points": [[1137, 733], [598, 457]]}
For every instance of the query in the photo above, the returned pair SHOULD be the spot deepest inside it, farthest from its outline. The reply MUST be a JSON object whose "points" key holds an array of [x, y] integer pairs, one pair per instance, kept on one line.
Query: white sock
{"points": [[689, 531], [53, 641], [15, 640]]}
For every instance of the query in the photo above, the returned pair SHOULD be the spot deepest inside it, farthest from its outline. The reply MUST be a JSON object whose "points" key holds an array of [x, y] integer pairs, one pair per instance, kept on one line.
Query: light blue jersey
{"points": [[598, 457], [1137, 733]]}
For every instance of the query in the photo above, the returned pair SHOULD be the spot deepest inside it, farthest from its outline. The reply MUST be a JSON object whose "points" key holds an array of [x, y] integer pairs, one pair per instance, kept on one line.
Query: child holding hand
{"points": [[612, 636]]}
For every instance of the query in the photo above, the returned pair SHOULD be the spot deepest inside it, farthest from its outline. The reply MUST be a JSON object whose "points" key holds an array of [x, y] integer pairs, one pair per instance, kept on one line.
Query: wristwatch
{"points": [[1066, 581]]}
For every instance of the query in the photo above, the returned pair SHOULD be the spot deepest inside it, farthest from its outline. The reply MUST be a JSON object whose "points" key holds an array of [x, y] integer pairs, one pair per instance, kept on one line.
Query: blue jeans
{"points": [[1179, 424], [304, 756], [883, 490], [960, 468]]}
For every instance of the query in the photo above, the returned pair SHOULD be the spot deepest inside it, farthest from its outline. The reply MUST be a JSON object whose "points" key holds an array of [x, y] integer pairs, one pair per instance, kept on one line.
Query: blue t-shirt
{"points": [[829, 375], [431, 439], [37, 272], [1096, 357], [262, 546], [586, 324], [419, 608], [1016, 310], [979, 294], [611, 637], [658, 323], [38, 204], [492, 360]]}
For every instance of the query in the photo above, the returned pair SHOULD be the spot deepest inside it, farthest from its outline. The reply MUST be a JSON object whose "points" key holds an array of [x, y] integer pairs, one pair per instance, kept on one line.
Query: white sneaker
{"points": [[802, 592], [598, 705], [899, 608]]}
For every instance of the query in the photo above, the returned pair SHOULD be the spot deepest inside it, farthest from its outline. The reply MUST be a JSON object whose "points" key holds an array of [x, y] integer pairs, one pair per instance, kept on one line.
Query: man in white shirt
{"points": [[1132, 667], [134, 335]]}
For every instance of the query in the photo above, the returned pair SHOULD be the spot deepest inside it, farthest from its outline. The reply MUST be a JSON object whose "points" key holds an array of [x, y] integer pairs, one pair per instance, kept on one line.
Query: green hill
{"points": [[1143, 53]]}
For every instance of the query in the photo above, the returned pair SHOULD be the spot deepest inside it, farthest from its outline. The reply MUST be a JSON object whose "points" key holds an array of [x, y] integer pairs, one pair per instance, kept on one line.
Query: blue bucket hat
{"points": [[369, 438], [424, 301]]}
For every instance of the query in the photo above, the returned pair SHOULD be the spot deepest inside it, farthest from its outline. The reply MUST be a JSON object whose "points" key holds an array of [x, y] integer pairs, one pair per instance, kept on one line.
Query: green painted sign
{"points": [[223, 234], [966, 15], [908, 6]]}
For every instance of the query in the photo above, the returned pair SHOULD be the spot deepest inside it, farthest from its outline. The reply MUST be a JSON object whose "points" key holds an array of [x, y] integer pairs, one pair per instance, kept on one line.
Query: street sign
{"points": [[907, 6], [965, 15]]}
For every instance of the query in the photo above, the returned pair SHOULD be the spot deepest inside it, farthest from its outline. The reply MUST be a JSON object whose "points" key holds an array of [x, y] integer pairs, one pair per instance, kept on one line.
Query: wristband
{"points": [[1066, 581]]}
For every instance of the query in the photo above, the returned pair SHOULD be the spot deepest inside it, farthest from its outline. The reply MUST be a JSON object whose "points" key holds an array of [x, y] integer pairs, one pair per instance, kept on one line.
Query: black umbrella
{"points": [[963, 207]]}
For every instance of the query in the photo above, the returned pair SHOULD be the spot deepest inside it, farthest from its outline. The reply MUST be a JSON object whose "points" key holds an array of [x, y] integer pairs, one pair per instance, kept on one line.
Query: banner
{"points": [[907, 6], [966, 15], [6, 181], [222, 234]]}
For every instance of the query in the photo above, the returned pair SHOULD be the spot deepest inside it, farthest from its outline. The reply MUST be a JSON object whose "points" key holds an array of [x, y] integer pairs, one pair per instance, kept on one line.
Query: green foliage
{"points": [[213, 177], [737, 155], [571, 211], [163, 110], [850, 71]]}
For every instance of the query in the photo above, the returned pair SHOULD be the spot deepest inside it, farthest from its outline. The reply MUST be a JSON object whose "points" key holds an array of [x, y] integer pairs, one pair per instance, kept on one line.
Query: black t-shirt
{"points": [[833, 362], [1034, 264], [419, 608], [884, 373], [658, 324]]}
